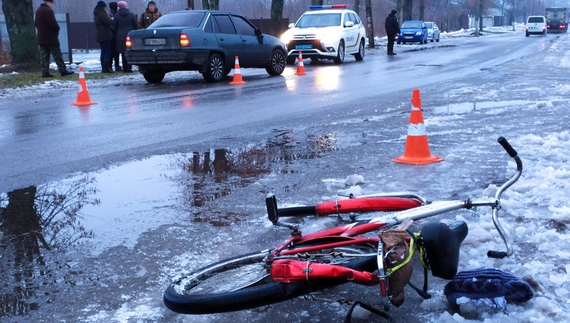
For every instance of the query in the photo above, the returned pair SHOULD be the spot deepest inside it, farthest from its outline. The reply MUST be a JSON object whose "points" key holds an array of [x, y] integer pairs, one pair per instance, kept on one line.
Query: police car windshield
{"points": [[189, 19], [319, 20]]}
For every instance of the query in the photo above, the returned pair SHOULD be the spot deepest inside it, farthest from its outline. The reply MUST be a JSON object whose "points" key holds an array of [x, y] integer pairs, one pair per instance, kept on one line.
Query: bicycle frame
{"points": [[350, 233]]}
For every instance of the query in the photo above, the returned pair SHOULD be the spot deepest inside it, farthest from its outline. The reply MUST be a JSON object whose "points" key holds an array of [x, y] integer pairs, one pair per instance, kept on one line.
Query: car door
{"points": [[254, 51], [350, 32], [229, 41]]}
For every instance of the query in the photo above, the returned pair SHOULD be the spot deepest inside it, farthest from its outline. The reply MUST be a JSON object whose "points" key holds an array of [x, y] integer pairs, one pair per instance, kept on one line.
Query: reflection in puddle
{"points": [[115, 206], [34, 222]]}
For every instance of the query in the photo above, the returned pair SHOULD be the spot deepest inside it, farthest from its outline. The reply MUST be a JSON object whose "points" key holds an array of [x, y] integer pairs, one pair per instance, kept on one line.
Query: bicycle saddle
{"points": [[442, 244]]}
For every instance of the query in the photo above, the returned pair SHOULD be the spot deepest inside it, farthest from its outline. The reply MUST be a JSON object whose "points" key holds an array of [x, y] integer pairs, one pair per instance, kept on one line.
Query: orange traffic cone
{"points": [[301, 66], [417, 147], [237, 74], [82, 95]]}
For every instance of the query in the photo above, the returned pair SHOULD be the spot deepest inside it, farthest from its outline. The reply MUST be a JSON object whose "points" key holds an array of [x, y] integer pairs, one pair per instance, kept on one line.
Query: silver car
{"points": [[433, 31]]}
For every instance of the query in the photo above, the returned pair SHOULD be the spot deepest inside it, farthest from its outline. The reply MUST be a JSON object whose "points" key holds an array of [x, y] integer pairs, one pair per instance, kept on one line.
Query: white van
{"points": [[535, 25]]}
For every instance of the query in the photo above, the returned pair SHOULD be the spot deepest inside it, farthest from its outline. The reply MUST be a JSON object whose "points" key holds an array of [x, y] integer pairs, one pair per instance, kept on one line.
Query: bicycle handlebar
{"points": [[511, 181]]}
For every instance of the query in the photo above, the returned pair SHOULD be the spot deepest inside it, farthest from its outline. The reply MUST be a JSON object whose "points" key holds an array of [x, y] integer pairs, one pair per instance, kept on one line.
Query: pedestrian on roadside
{"points": [[48, 39], [392, 30], [150, 15], [125, 21], [104, 34], [114, 54]]}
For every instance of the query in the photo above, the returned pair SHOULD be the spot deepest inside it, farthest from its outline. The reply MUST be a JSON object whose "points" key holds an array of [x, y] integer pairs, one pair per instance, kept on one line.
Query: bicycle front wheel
{"points": [[245, 282]]}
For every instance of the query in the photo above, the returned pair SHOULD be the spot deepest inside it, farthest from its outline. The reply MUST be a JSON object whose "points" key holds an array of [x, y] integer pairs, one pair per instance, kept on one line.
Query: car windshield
{"points": [[320, 20], [189, 19], [409, 24], [429, 25]]}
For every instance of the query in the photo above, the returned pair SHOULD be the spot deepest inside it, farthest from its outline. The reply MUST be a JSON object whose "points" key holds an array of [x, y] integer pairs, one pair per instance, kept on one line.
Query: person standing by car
{"points": [[150, 15], [392, 30], [114, 55], [104, 34], [48, 40], [125, 21]]}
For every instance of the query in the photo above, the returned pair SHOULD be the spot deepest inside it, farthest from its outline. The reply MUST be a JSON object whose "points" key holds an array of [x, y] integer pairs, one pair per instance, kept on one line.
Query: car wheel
{"points": [[214, 69], [153, 76], [276, 63], [398, 42], [339, 59], [361, 52], [527, 34], [291, 60], [437, 40]]}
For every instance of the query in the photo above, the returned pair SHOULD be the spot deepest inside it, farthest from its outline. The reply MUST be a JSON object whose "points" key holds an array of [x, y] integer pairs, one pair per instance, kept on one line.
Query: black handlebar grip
{"points": [[507, 146], [496, 254]]}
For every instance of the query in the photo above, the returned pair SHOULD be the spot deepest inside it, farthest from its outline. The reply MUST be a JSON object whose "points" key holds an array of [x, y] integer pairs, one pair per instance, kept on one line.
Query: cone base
{"points": [[80, 104], [418, 160], [237, 82]]}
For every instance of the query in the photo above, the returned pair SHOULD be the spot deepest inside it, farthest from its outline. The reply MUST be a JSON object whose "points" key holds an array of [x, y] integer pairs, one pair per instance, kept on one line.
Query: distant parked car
{"points": [[413, 31], [535, 25], [433, 31], [206, 41]]}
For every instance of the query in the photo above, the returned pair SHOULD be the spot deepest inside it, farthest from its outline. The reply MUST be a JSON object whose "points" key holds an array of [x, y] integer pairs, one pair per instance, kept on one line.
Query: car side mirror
{"points": [[349, 24], [291, 25]]}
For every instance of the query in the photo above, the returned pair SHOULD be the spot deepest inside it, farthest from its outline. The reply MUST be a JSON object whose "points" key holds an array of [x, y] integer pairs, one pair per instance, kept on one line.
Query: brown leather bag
{"points": [[396, 252]]}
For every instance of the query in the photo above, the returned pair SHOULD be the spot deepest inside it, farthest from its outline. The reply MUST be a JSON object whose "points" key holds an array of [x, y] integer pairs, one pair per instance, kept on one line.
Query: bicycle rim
{"points": [[244, 282]]}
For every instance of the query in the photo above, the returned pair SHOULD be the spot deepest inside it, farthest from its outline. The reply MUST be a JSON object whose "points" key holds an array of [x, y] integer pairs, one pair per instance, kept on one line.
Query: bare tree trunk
{"points": [[422, 9], [316, 2], [399, 10], [356, 6], [276, 16], [407, 10], [370, 24], [21, 30], [190, 4]]}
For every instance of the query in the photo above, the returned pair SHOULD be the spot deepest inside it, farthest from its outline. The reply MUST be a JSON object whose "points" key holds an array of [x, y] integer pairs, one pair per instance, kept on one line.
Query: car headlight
{"points": [[327, 37], [286, 38], [418, 33]]}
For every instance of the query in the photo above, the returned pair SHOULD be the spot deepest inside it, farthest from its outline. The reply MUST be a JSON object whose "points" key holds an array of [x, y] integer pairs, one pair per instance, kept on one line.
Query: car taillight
{"points": [[184, 40], [128, 42]]}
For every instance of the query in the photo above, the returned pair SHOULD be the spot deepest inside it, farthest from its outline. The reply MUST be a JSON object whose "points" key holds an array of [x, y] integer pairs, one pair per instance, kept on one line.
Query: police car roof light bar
{"points": [[328, 6]]}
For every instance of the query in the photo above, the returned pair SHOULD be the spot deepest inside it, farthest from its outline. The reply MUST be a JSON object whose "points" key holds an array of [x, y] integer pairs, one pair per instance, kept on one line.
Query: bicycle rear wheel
{"points": [[244, 282]]}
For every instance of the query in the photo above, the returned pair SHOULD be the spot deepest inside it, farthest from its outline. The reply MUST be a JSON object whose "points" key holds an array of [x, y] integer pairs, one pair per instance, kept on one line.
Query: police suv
{"points": [[326, 32]]}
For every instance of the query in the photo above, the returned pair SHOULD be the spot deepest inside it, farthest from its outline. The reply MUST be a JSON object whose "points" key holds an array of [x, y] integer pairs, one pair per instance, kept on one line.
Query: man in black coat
{"points": [[48, 32], [392, 30]]}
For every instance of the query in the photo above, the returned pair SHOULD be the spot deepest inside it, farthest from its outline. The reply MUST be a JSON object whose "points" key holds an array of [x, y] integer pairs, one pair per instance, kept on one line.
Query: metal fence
{"points": [[64, 37]]}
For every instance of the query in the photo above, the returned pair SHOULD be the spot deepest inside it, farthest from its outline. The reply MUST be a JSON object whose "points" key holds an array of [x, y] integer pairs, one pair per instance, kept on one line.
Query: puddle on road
{"points": [[480, 105], [113, 207]]}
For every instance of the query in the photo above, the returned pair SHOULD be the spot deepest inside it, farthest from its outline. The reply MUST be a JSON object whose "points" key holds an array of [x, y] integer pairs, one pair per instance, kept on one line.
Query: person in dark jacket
{"points": [[150, 15], [125, 21], [103, 34], [48, 40], [392, 30], [114, 54]]}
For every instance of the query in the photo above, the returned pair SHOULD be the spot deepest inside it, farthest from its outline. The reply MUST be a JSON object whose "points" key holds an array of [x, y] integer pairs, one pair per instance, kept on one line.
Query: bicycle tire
{"points": [[179, 296]]}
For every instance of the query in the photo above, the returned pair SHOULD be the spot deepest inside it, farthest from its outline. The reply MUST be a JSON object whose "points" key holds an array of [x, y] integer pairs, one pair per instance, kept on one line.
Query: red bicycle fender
{"points": [[366, 204], [287, 271]]}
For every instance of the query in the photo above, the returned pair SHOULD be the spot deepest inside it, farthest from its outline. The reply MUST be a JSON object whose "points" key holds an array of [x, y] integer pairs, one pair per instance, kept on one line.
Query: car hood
{"points": [[410, 29], [310, 30]]}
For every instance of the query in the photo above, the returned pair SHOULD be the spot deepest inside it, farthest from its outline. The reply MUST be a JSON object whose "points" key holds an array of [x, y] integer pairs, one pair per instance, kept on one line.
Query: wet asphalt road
{"points": [[156, 217]]}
